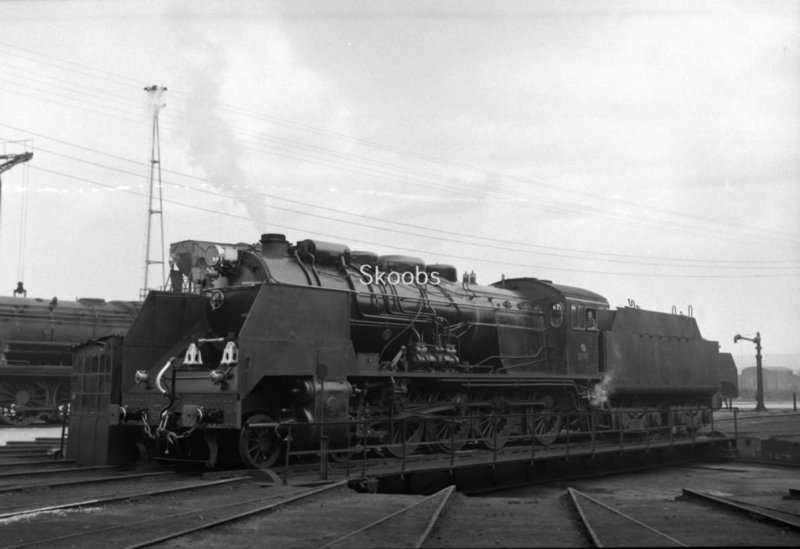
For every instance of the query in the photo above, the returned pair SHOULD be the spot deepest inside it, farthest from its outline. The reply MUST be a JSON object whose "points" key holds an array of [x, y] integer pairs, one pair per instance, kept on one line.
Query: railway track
{"points": [[610, 527], [109, 521], [411, 526], [690, 520], [644, 509], [224, 510], [49, 480], [49, 492], [207, 510]]}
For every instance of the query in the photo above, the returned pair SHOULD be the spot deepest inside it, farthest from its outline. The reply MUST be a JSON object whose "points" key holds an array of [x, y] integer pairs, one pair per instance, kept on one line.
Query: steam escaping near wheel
{"points": [[599, 395]]}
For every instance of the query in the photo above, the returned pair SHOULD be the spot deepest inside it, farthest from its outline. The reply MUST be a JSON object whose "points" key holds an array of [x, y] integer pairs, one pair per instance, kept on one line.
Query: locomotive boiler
{"points": [[392, 351], [36, 339]]}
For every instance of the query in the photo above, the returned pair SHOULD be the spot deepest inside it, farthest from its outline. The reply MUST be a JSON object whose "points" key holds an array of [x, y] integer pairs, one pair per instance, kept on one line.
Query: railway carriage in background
{"points": [[393, 352]]}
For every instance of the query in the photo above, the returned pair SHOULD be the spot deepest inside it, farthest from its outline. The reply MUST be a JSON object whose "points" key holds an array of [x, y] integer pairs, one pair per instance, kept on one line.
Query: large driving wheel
{"points": [[492, 429], [22, 402], [403, 435], [448, 433], [259, 447], [544, 423], [448, 430]]}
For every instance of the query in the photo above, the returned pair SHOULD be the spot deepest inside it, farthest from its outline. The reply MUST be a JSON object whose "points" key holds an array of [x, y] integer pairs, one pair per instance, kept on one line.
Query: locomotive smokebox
{"points": [[274, 245]]}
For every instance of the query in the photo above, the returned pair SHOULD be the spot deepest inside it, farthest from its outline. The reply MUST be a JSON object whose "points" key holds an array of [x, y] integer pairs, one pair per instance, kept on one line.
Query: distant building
{"points": [[779, 383]]}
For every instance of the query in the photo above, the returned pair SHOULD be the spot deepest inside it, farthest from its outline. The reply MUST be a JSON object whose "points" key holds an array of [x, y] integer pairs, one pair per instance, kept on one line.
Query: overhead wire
{"points": [[497, 244], [438, 237], [503, 244], [367, 167], [371, 218], [569, 207], [693, 231], [442, 254], [374, 168], [472, 237]]}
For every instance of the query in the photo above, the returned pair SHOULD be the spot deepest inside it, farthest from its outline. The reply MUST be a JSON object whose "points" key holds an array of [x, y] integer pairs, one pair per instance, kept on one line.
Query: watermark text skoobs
{"points": [[377, 276]]}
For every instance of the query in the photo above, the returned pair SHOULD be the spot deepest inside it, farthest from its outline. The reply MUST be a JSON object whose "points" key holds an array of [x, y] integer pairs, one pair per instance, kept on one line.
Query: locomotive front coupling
{"points": [[156, 402]]}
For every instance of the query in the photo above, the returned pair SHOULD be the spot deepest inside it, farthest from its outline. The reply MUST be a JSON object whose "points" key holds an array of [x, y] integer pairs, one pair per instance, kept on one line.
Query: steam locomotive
{"points": [[394, 352], [36, 339]]}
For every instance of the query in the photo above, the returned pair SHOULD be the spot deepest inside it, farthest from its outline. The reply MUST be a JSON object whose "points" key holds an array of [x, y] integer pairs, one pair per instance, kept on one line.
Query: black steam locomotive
{"points": [[36, 339], [392, 351]]}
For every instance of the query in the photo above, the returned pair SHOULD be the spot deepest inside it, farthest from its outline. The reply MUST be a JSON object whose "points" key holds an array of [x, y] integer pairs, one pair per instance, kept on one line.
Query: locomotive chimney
{"points": [[274, 245]]}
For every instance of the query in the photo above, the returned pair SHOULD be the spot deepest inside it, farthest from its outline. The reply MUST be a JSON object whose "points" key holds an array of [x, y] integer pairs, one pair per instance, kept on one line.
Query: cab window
{"points": [[556, 315], [577, 316]]}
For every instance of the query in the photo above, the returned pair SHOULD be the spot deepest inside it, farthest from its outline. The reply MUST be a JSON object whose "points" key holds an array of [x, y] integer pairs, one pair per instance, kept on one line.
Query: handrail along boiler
{"points": [[371, 347]]}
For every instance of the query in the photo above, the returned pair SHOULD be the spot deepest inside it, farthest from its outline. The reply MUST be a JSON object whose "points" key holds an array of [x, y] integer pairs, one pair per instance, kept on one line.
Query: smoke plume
{"points": [[212, 142]]}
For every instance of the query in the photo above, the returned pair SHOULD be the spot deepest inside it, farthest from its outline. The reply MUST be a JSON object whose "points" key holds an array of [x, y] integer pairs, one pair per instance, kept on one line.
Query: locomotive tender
{"points": [[272, 334], [36, 340]]}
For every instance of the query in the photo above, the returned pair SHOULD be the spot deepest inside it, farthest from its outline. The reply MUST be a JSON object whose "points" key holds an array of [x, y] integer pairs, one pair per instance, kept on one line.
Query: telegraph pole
{"points": [[759, 371]]}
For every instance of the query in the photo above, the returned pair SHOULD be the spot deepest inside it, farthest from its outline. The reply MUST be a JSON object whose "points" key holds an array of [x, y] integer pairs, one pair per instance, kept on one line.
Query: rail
{"points": [[663, 539]]}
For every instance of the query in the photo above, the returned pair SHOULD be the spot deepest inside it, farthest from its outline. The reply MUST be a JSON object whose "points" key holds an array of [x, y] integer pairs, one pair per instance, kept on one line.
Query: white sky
{"points": [[643, 150]]}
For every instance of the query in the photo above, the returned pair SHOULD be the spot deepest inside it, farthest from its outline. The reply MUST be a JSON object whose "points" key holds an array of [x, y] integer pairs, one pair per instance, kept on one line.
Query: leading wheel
{"points": [[259, 447]]}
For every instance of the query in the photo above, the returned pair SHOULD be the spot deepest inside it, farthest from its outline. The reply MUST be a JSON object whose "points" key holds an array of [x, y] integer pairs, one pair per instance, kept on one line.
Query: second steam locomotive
{"points": [[394, 353], [36, 340]]}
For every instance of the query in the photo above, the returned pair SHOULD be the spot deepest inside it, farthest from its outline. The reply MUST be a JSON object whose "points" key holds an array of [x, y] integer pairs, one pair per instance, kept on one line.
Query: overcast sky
{"points": [[644, 150]]}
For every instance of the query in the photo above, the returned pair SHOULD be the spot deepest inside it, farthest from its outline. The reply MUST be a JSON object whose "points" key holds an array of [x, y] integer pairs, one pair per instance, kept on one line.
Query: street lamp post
{"points": [[759, 375]]}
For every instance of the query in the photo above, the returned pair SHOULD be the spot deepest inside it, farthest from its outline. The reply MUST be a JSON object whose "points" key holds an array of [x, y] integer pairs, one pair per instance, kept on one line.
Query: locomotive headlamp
{"points": [[213, 254], [142, 376], [217, 376]]}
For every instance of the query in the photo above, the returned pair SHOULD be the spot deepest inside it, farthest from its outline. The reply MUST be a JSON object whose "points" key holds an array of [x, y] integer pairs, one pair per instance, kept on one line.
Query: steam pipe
{"points": [[161, 374]]}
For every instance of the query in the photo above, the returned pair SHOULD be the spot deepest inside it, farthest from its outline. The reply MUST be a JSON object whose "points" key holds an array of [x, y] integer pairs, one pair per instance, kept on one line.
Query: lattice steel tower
{"points": [[156, 102]]}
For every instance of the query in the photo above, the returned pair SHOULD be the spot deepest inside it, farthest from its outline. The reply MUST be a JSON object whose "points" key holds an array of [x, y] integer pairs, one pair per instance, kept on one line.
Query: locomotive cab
{"points": [[574, 318]]}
